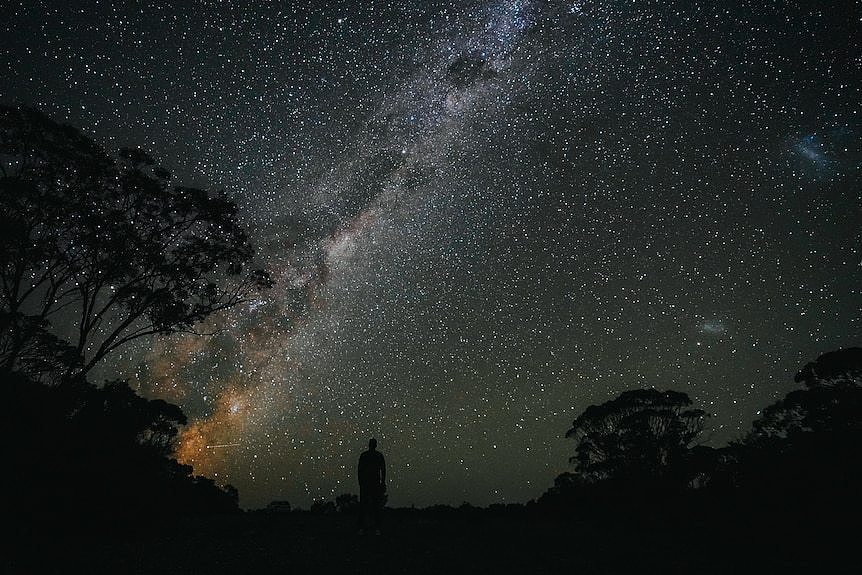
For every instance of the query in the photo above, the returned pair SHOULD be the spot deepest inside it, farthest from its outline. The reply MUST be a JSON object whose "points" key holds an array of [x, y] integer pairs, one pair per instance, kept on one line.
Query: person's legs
{"points": [[363, 507], [377, 503]]}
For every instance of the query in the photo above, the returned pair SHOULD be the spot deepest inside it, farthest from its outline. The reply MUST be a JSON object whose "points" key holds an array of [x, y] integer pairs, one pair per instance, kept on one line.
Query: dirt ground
{"points": [[424, 542]]}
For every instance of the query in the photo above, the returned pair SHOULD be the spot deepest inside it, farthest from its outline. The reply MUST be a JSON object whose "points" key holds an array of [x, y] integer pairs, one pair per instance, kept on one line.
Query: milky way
{"points": [[482, 218]]}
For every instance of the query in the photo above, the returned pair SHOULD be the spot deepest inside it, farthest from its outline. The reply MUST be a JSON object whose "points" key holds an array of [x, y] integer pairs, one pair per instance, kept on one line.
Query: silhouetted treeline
{"points": [[85, 456], [96, 252], [645, 496], [642, 453], [642, 450]]}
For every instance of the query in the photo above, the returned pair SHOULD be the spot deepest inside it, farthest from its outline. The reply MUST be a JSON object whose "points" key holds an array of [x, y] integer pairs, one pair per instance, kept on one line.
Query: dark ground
{"points": [[455, 541]]}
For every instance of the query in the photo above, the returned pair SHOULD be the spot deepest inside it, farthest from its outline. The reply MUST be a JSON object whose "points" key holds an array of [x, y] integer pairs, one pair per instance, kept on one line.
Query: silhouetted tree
{"points": [[642, 434], [278, 507], [833, 369], [34, 348], [347, 503], [322, 507], [85, 453], [808, 440], [831, 401], [107, 245], [232, 493]]}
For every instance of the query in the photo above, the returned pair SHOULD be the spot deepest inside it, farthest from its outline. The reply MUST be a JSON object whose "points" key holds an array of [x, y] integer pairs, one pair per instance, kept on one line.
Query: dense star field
{"points": [[482, 217]]}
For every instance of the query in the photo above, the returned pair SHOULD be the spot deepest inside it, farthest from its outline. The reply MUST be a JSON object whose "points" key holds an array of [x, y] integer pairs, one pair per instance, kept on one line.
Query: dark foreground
{"points": [[454, 541]]}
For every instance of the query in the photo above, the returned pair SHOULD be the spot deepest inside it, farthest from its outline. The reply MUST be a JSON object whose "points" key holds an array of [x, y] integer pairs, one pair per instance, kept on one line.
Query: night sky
{"points": [[482, 217]]}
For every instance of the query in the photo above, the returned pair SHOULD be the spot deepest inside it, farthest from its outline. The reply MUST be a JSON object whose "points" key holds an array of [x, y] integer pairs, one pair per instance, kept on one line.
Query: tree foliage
{"points": [[838, 368], [640, 434], [84, 454], [808, 440], [803, 447], [831, 401], [105, 245], [347, 503], [95, 252]]}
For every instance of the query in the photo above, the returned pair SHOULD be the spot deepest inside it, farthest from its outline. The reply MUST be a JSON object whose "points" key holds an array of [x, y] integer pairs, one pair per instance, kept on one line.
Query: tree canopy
{"points": [[105, 245], [831, 401], [805, 442], [83, 453], [639, 434], [97, 251]]}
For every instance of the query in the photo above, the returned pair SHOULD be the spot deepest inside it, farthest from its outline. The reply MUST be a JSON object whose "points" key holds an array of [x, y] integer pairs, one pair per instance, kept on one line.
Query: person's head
{"points": [[372, 444]]}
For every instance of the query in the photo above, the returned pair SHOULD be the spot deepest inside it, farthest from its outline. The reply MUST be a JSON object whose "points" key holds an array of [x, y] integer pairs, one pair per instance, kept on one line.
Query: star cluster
{"points": [[482, 217]]}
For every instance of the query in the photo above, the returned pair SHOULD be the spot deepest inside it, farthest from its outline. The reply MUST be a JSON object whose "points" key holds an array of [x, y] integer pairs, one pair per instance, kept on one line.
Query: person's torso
{"points": [[370, 464]]}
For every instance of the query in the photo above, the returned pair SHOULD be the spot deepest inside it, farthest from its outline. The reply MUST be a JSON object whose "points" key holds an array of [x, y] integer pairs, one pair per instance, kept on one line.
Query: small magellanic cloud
{"points": [[713, 327]]}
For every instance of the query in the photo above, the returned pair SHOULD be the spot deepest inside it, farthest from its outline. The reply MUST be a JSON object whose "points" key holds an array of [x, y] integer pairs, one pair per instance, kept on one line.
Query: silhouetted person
{"points": [[372, 486]]}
